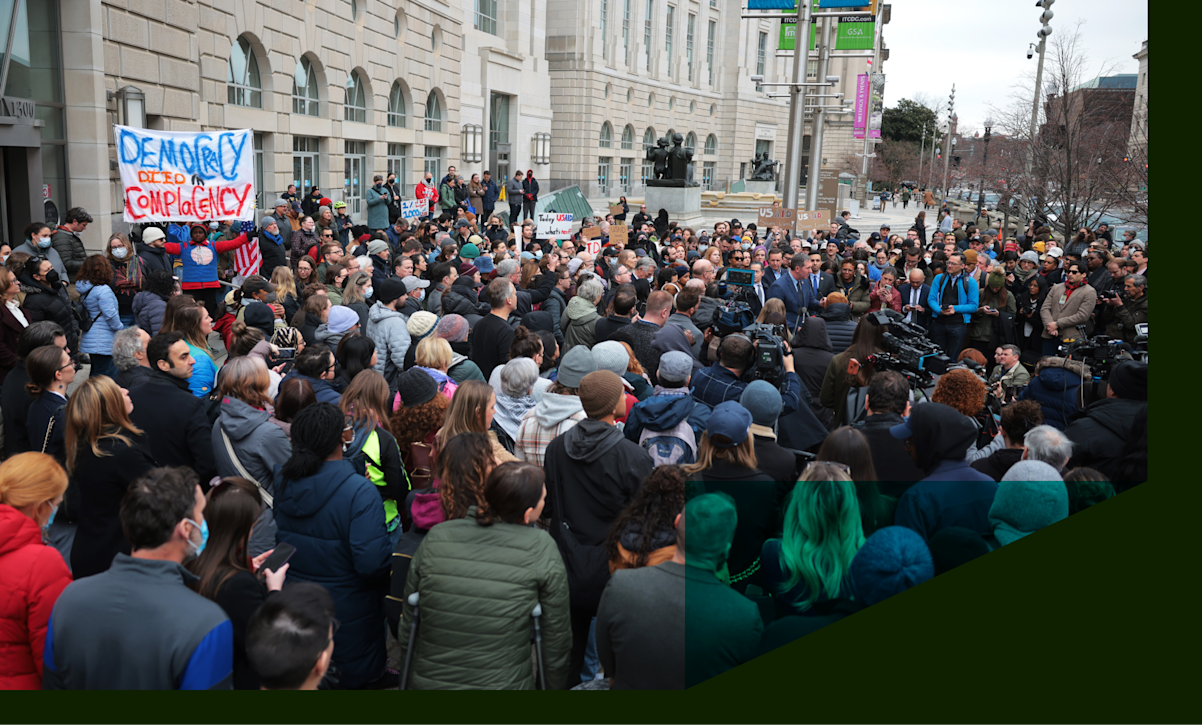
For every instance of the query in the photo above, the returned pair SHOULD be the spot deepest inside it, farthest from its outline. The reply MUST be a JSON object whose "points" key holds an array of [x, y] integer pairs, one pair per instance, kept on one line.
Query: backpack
{"points": [[670, 447], [80, 312]]}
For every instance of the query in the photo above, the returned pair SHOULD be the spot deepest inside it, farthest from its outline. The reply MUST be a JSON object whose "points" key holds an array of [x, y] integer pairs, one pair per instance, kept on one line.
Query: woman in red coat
{"points": [[32, 575], [884, 293]]}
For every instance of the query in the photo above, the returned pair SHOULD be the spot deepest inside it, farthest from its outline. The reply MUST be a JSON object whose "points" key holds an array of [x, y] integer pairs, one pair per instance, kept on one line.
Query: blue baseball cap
{"points": [[731, 421]]}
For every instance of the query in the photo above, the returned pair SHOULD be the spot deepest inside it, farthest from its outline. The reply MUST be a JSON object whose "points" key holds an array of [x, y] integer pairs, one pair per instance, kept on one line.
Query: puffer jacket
{"points": [[259, 444], [34, 575], [148, 309], [388, 329], [1056, 387], [839, 326], [478, 587], [554, 415], [335, 519], [579, 324], [461, 299], [857, 292], [43, 303], [101, 304], [555, 304], [1101, 431]]}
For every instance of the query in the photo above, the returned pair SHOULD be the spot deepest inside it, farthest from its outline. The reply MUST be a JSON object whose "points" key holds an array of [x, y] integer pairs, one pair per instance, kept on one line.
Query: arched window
{"points": [[242, 84], [355, 108], [690, 142], [628, 138], [671, 132], [304, 88], [711, 145], [607, 135], [649, 139], [396, 106], [433, 113]]}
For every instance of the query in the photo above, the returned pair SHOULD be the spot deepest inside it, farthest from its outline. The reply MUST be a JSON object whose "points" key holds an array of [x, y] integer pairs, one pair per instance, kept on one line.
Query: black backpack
{"points": [[80, 312]]}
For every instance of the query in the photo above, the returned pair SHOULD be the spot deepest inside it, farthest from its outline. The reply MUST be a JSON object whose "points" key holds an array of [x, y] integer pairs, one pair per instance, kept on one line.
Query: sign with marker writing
{"points": [[414, 208], [553, 226], [775, 216], [186, 177], [619, 233], [811, 220]]}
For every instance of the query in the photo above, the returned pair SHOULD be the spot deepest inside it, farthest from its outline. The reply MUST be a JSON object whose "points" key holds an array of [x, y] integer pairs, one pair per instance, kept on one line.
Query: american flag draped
{"points": [[247, 260]]}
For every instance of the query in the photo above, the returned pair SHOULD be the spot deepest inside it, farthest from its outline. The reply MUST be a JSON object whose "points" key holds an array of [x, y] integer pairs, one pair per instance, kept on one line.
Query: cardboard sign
{"points": [[593, 247], [774, 216], [553, 226], [619, 233], [813, 220], [590, 232], [414, 208], [616, 209]]}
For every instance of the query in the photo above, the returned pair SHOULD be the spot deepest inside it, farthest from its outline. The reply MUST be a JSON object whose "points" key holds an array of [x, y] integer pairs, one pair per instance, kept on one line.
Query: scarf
{"points": [[1069, 287], [279, 241]]}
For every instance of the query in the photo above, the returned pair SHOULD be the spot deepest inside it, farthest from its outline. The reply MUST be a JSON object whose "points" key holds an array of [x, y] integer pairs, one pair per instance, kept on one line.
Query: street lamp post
{"points": [[923, 152], [984, 162], [1044, 31]]}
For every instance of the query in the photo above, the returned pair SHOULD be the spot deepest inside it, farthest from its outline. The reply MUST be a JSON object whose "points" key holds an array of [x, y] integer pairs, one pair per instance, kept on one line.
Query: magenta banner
{"points": [[861, 118]]}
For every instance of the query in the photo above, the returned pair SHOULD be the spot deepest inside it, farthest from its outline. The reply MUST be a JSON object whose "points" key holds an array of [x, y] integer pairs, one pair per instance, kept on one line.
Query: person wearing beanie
{"points": [[1100, 432], [763, 401], [454, 329], [388, 328], [1032, 495], [891, 561], [271, 246], [612, 355], [938, 438], [558, 410], [420, 325], [343, 321], [668, 423], [592, 474], [998, 306]]}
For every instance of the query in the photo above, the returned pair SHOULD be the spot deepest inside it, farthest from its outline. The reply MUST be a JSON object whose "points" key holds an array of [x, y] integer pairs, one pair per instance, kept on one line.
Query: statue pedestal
{"points": [[760, 187], [683, 204]]}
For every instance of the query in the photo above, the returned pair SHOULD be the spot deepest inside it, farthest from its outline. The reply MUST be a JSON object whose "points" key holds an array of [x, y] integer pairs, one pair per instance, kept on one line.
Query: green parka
{"points": [[478, 587]]}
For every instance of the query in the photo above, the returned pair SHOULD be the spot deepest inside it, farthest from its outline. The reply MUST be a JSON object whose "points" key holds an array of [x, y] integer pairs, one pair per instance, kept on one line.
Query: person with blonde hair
{"points": [[196, 325], [34, 574], [285, 290], [105, 451], [434, 355], [472, 411]]}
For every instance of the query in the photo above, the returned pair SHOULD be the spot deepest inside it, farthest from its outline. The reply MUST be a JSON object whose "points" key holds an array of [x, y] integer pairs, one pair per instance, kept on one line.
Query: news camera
{"points": [[1103, 353], [909, 351]]}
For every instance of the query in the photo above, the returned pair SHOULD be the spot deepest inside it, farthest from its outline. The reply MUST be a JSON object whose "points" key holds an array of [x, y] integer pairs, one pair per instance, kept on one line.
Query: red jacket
{"points": [[32, 575], [427, 192]]}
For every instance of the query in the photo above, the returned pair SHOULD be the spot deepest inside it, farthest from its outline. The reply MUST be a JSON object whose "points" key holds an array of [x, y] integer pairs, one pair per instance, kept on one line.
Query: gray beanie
{"points": [[611, 355], [281, 202], [1029, 257], [763, 401], [1031, 495], [674, 367], [267, 221], [575, 365]]}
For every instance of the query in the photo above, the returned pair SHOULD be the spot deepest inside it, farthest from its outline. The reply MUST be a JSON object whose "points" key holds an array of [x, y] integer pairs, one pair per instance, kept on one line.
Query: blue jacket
{"points": [[954, 494], [324, 391], [377, 206], [335, 519], [664, 411], [1056, 391], [491, 193], [101, 304], [966, 294], [204, 372], [785, 290]]}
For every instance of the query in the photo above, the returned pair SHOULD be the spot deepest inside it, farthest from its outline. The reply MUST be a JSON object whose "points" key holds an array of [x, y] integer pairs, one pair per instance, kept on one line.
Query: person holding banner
{"points": [[199, 257], [426, 191]]}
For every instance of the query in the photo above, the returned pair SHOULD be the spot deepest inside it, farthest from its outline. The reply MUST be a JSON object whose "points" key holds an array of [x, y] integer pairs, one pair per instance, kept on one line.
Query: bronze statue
{"points": [[673, 167], [762, 169]]}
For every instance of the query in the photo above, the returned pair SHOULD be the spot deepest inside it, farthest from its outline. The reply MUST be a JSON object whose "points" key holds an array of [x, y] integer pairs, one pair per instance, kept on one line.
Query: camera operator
{"points": [[1129, 308], [850, 369], [723, 380], [1009, 372]]}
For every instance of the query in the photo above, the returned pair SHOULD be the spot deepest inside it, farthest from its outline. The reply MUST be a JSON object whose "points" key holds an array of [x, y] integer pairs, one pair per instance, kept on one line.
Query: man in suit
{"points": [[914, 299], [776, 259], [759, 291], [821, 283], [794, 289]]}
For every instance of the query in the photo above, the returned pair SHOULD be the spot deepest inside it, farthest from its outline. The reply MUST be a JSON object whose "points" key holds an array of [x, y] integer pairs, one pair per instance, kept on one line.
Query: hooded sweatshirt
{"points": [[554, 415], [1031, 496], [665, 410], [578, 323], [593, 472], [259, 444]]}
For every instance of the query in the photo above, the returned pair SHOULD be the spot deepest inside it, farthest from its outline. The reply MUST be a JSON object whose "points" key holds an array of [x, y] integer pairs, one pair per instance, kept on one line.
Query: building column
{"points": [[89, 127]]}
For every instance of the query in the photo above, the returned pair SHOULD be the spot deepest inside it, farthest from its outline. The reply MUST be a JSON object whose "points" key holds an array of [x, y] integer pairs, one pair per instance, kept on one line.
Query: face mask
{"points": [[3, 259], [367, 292], [204, 537], [44, 242], [271, 298], [927, 259], [746, 246], [52, 278], [213, 225], [120, 252], [53, 512], [421, 295], [702, 247]]}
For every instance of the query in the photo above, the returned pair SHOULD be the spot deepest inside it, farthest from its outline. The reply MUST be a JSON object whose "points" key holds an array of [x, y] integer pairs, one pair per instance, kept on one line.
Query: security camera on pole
{"points": [[1044, 31]]}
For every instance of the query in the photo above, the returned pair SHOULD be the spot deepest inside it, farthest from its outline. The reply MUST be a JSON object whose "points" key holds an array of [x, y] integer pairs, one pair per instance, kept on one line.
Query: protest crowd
{"points": [[444, 452]]}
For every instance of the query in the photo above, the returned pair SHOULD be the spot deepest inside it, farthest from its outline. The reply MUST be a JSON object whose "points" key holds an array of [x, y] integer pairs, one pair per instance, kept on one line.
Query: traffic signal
{"points": [[956, 159]]}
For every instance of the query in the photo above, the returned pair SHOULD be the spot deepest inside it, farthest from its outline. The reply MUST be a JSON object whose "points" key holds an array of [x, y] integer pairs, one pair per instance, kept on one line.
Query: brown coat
{"points": [[928, 198], [1076, 311]]}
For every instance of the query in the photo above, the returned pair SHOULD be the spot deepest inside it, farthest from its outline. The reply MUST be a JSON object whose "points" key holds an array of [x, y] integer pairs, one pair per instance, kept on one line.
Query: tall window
{"points": [[432, 162], [486, 16], [627, 138], [707, 175], [604, 23], [624, 175], [711, 145], [690, 142], [305, 168], [688, 43], [242, 84], [355, 108], [603, 165], [304, 89], [648, 144], [761, 51], [398, 156], [355, 166], [261, 197], [396, 106], [433, 113], [670, 22], [626, 31], [709, 49], [647, 32], [607, 135]]}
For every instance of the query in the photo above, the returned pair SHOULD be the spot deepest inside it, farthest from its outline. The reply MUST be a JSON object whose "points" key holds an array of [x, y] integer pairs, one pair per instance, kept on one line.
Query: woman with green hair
{"points": [[811, 562]]}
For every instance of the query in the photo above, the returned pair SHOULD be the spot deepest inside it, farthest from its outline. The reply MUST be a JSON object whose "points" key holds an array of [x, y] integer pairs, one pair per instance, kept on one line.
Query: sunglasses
{"points": [[841, 466]]}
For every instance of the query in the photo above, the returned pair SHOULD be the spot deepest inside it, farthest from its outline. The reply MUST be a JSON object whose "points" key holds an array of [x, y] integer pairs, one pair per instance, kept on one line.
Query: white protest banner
{"points": [[593, 247], [186, 177], [414, 208], [553, 226]]}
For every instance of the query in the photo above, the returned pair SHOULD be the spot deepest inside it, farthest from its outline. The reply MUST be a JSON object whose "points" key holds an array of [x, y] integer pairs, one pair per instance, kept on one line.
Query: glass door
{"points": [[354, 162], [305, 169]]}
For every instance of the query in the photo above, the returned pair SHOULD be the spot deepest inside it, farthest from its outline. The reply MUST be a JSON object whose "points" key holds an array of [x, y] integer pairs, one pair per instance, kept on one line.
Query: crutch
{"points": [[537, 637], [412, 641]]}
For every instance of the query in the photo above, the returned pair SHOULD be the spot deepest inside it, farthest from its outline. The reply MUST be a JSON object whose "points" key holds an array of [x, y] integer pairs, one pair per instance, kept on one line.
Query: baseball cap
{"points": [[1056, 252], [255, 284], [413, 282]]}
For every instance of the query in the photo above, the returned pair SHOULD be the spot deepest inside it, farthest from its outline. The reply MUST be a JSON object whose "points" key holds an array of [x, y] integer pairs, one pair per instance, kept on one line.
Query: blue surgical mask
{"points": [[44, 242], [702, 247], [120, 252], [367, 292], [204, 536], [53, 513], [746, 246]]}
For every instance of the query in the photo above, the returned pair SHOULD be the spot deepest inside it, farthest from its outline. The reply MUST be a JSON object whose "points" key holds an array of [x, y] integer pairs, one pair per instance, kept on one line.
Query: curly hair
{"points": [[412, 425], [654, 509], [462, 466], [962, 390]]}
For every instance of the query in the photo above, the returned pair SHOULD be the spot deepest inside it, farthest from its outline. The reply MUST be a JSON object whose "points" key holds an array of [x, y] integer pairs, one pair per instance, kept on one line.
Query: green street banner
{"points": [[788, 34], [855, 32]]}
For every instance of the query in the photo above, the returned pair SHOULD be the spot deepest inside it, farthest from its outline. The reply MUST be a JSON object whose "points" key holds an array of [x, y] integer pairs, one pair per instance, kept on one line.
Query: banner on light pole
{"points": [[860, 125]]}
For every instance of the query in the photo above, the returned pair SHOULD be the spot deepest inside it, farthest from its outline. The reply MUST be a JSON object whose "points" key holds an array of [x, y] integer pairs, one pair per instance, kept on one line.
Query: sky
{"points": [[981, 46]]}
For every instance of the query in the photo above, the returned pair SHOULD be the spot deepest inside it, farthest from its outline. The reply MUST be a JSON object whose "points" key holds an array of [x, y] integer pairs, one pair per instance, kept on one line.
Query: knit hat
{"points": [[257, 314], [710, 520], [469, 251], [1038, 247], [611, 355], [279, 202], [416, 387], [325, 201], [891, 561], [600, 392], [388, 290], [1129, 380], [970, 257], [574, 264], [954, 546], [342, 319], [467, 269], [675, 367], [1029, 256], [376, 246], [263, 224], [453, 328], [421, 324], [731, 421], [1029, 497], [995, 279], [763, 401], [575, 365]]}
